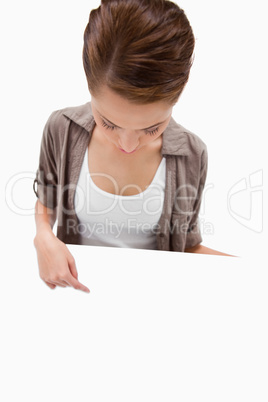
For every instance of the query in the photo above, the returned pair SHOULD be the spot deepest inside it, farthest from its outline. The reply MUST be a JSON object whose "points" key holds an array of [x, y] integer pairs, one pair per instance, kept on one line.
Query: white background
{"points": [[225, 103]]}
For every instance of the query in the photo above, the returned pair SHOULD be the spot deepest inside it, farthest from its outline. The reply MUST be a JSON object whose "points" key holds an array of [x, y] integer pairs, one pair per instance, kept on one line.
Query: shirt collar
{"points": [[81, 115], [174, 137]]}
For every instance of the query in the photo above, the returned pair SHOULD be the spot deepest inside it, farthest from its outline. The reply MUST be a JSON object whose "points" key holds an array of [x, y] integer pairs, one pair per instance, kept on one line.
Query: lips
{"points": [[125, 152]]}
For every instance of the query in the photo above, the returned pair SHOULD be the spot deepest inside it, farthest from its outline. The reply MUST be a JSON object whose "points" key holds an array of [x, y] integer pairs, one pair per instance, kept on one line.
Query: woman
{"points": [[119, 171]]}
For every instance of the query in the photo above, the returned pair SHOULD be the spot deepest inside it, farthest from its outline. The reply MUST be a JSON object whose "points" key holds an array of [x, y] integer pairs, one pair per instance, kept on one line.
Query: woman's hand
{"points": [[56, 263]]}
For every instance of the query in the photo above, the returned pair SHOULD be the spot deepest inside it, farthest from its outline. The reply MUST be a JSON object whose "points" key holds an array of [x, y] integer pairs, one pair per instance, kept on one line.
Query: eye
{"points": [[152, 132], [104, 124]]}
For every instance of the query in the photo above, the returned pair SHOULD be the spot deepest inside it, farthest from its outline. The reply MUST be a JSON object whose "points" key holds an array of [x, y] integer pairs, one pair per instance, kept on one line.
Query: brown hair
{"points": [[140, 49]]}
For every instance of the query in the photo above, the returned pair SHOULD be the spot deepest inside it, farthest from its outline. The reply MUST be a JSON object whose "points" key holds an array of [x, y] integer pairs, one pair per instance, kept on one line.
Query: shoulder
{"points": [[179, 141]]}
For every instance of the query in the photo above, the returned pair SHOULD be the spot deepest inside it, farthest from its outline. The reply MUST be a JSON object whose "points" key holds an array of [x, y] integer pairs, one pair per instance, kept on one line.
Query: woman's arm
{"points": [[56, 264], [200, 249], [45, 218]]}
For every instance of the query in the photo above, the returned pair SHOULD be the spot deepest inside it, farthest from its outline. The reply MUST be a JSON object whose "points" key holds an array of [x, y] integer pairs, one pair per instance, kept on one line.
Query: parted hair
{"points": [[140, 49]]}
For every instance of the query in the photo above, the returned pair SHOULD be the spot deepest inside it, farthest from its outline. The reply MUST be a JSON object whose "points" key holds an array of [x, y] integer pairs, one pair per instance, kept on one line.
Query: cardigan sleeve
{"points": [[193, 236], [45, 183]]}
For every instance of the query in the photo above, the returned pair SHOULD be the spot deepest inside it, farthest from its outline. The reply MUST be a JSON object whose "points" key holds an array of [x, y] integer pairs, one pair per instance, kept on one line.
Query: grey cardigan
{"points": [[64, 142]]}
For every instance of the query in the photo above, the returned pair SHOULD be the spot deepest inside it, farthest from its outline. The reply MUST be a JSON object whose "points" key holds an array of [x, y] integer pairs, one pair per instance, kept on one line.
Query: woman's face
{"points": [[128, 127]]}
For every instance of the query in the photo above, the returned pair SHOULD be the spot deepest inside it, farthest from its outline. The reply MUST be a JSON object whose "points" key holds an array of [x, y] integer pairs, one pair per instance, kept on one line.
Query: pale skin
{"points": [[126, 144]]}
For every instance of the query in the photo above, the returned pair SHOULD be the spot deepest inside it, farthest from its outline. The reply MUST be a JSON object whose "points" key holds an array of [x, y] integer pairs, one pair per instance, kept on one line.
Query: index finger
{"points": [[76, 284]]}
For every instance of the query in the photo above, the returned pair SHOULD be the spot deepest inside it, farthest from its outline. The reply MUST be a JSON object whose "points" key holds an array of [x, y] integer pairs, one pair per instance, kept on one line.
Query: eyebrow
{"points": [[154, 125]]}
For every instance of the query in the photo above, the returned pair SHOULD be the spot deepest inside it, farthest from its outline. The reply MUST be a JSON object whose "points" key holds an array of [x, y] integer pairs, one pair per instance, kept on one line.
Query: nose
{"points": [[128, 141]]}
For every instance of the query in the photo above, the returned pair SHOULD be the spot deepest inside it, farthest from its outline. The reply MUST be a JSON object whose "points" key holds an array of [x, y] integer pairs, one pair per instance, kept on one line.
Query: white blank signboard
{"points": [[156, 326]]}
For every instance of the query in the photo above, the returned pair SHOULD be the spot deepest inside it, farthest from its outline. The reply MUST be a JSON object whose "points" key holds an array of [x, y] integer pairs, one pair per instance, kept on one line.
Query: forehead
{"points": [[125, 114]]}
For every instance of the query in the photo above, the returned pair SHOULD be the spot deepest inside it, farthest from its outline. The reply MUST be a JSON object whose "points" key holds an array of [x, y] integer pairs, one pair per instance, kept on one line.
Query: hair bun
{"points": [[140, 49]]}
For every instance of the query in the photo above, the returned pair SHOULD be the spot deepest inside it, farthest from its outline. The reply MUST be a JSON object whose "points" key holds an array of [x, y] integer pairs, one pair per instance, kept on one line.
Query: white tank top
{"points": [[107, 219]]}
